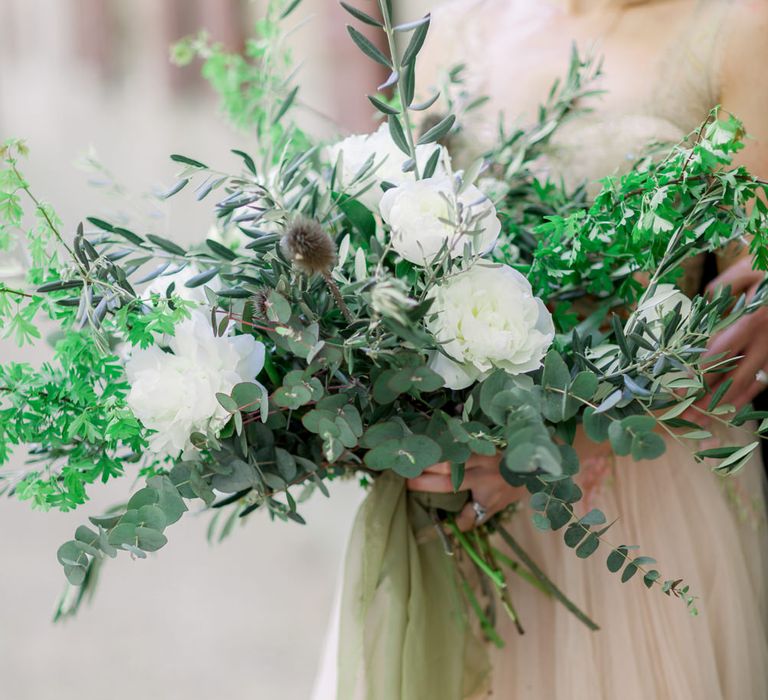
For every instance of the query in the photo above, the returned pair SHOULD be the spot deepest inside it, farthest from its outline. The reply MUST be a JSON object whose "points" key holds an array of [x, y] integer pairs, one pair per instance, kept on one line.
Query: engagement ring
{"points": [[480, 512]]}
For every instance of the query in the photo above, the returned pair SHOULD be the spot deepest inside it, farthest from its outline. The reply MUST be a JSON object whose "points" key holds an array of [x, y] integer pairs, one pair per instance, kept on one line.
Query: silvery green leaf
{"points": [[438, 131], [417, 41], [361, 271], [423, 106], [368, 47], [362, 16], [382, 106]]}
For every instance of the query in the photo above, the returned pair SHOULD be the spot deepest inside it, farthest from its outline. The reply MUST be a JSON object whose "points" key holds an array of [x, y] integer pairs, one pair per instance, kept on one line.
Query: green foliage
{"points": [[255, 88], [347, 385], [74, 411], [648, 220]]}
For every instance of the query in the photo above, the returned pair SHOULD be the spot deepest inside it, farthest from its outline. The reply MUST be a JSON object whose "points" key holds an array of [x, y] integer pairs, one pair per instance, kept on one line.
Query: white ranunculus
{"points": [[423, 217], [487, 318], [388, 161], [174, 393]]}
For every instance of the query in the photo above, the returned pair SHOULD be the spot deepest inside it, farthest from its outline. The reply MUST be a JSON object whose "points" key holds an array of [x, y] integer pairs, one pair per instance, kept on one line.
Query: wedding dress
{"points": [[705, 529]]}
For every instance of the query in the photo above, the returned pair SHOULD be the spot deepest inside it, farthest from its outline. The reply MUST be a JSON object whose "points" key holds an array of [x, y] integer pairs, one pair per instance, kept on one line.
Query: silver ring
{"points": [[762, 377], [481, 512]]}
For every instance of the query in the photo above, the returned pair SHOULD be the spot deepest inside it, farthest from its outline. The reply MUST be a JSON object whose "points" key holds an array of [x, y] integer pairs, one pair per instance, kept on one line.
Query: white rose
{"points": [[487, 318], [388, 161], [423, 217], [175, 394]]}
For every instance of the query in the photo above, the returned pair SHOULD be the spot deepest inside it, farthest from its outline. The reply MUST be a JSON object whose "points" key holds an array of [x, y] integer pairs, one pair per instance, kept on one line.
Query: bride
{"points": [[667, 63]]}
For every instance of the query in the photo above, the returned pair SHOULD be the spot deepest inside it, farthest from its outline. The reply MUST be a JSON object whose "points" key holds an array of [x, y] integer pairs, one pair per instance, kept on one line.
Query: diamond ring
{"points": [[481, 512], [762, 377]]}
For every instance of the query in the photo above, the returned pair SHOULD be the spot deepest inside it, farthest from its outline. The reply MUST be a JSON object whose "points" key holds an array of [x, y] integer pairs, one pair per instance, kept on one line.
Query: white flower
{"points": [[388, 161], [664, 300], [175, 394], [487, 318], [653, 310], [424, 215]]}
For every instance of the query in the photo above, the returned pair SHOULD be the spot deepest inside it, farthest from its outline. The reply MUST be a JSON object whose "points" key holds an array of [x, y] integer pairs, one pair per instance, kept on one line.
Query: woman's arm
{"points": [[744, 93]]}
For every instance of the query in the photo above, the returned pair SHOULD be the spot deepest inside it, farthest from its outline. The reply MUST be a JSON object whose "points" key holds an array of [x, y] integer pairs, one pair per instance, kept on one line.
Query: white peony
{"points": [[487, 318], [423, 217], [175, 394], [388, 161]]}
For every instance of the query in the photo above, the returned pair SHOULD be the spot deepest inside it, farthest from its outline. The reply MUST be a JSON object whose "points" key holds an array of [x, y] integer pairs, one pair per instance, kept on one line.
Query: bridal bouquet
{"points": [[368, 308]]}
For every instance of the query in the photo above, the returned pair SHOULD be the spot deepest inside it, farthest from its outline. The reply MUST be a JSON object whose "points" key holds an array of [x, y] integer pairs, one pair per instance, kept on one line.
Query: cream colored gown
{"points": [[699, 527]]}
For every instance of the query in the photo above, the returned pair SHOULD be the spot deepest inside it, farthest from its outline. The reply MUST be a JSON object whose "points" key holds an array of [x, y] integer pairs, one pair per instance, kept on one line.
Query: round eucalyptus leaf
{"points": [[588, 547], [152, 516], [558, 514], [85, 534], [617, 558], [121, 534], [75, 574], [313, 419], [648, 446], [346, 435], [639, 424], [408, 457], [69, 554], [278, 308], [243, 476], [292, 397], [621, 439], [596, 425], [150, 540], [381, 432], [383, 393], [629, 571], [574, 534], [227, 402], [247, 396], [143, 497]]}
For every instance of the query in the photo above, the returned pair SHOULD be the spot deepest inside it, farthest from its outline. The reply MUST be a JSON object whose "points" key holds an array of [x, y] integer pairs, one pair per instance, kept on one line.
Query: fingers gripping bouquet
{"points": [[367, 308]]}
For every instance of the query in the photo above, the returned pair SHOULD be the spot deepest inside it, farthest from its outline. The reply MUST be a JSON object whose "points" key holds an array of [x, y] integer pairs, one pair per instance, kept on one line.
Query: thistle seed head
{"points": [[261, 304], [307, 245]]}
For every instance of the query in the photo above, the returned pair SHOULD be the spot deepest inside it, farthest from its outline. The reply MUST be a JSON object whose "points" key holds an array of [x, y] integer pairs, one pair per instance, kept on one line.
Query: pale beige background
{"points": [[244, 619]]}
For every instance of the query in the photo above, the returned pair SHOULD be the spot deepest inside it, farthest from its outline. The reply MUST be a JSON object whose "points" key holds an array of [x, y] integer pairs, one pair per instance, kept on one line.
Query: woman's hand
{"points": [[482, 477], [747, 338]]}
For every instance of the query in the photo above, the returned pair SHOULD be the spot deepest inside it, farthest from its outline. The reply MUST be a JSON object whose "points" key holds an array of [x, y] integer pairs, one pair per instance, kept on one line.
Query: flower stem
{"points": [[398, 68], [15, 292], [506, 599], [486, 625], [497, 577], [521, 554], [336, 294]]}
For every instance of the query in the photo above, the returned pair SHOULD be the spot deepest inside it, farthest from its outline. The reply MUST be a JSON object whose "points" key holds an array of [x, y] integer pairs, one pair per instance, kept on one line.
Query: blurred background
{"points": [[245, 618]]}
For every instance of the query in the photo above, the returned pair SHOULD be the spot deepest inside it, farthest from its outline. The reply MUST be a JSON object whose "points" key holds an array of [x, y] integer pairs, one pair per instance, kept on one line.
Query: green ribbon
{"points": [[405, 633]]}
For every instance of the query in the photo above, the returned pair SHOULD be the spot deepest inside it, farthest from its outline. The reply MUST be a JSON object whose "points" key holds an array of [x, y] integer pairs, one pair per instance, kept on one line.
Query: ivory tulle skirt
{"points": [[702, 528]]}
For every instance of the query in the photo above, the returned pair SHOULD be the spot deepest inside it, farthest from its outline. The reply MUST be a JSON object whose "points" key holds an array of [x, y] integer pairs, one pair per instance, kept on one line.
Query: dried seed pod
{"points": [[307, 245]]}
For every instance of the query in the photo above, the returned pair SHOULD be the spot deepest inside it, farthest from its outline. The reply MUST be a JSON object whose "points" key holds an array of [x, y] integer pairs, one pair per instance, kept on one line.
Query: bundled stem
{"points": [[556, 593]]}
